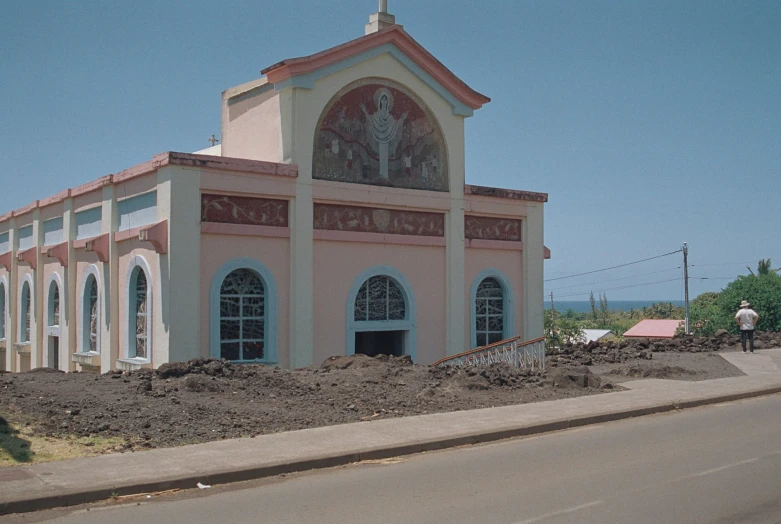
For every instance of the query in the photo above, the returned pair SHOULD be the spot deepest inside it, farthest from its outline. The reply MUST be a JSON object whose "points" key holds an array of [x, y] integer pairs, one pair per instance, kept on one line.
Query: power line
{"points": [[614, 267], [614, 279], [617, 288], [727, 264]]}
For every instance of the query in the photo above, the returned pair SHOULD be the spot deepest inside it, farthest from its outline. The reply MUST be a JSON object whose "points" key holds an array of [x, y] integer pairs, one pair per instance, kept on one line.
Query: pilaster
{"points": [[109, 333], [177, 331], [11, 327], [533, 272], [38, 296], [69, 297]]}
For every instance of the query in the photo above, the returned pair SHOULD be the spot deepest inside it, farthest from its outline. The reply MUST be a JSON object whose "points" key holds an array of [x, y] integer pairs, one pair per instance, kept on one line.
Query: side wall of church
{"points": [[251, 127]]}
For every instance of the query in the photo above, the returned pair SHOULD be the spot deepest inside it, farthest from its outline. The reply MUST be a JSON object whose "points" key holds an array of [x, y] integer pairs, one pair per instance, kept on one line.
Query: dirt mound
{"points": [[209, 399], [574, 377], [653, 371]]}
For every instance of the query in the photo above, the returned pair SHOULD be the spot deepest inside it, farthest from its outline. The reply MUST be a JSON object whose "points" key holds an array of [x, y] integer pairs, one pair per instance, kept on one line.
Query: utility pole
{"points": [[686, 284], [552, 307]]}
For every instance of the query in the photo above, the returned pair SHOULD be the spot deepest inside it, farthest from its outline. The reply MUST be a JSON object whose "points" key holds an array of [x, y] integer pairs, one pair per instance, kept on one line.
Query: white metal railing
{"points": [[524, 355]]}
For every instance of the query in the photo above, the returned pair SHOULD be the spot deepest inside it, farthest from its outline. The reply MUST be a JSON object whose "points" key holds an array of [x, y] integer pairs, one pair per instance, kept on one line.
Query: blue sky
{"points": [[648, 123]]}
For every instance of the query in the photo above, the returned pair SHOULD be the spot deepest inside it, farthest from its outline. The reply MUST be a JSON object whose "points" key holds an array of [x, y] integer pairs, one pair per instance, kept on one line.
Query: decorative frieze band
{"points": [[375, 220], [244, 210], [490, 228]]}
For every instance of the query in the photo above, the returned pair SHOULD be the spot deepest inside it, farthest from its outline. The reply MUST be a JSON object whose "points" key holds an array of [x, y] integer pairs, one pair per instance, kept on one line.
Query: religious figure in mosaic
{"points": [[383, 127], [377, 132]]}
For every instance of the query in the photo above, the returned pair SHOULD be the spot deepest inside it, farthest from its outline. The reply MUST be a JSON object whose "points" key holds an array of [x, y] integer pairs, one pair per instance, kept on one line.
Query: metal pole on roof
{"points": [[686, 284]]}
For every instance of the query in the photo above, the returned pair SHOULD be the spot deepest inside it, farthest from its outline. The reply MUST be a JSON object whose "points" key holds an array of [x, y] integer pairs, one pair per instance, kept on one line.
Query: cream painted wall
{"points": [[338, 264], [251, 128], [508, 262], [274, 253]]}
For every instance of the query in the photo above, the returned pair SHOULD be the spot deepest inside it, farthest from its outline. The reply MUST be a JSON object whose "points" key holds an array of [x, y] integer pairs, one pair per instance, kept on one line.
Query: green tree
{"points": [[764, 293], [704, 314], [593, 306], [559, 330], [763, 268], [603, 310]]}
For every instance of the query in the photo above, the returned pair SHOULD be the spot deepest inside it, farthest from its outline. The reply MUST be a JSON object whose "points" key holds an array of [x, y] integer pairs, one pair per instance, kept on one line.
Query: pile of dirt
{"points": [[207, 399], [627, 350]]}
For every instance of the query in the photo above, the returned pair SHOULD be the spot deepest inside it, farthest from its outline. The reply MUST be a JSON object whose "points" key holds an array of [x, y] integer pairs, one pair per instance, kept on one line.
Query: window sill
{"points": [[132, 364], [23, 348], [89, 358]]}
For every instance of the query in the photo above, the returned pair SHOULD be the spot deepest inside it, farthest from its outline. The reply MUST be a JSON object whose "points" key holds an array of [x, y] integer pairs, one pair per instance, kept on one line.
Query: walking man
{"points": [[747, 318]]}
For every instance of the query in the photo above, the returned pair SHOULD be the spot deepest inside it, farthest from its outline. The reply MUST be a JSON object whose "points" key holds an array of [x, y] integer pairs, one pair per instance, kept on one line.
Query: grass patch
{"points": [[19, 445]]}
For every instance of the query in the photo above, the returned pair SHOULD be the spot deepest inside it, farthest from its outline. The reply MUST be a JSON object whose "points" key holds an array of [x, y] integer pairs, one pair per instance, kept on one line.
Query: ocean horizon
{"points": [[583, 306]]}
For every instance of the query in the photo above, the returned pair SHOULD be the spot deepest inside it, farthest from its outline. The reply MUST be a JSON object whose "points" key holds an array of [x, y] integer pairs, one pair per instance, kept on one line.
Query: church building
{"points": [[333, 219]]}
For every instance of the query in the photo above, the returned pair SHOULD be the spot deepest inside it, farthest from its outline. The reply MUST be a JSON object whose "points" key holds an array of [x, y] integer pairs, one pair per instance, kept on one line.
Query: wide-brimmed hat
{"points": [[745, 304]]}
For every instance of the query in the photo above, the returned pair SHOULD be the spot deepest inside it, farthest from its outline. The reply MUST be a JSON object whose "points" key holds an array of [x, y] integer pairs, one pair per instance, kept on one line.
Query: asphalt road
{"points": [[719, 464]]}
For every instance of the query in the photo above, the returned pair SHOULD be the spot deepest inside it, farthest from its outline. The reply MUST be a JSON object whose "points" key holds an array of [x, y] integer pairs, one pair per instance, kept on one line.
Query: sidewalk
{"points": [[65, 483]]}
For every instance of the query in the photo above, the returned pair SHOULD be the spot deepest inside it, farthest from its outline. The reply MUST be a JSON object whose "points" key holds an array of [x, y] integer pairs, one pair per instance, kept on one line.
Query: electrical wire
{"points": [[618, 288], [614, 279], [614, 267]]}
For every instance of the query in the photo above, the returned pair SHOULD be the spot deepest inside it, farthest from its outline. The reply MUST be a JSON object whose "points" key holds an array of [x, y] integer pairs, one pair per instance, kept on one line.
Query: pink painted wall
{"points": [[253, 128], [128, 250], [274, 253], [508, 262], [338, 264]]}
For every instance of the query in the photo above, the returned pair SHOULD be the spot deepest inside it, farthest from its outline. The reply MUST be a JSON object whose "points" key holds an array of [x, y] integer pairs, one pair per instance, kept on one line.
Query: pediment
{"points": [[303, 72]]}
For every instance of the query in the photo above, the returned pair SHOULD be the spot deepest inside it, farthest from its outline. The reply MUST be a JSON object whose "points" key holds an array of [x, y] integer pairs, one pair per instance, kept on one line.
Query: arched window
{"points": [[380, 298], [24, 312], [489, 324], [492, 308], [90, 316], [139, 343], [54, 305], [2, 310], [381, 314], [242, 316]]}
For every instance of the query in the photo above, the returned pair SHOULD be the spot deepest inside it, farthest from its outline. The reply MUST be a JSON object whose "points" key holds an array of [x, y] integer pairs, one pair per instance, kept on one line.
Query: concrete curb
{"points": [[72, 498]]}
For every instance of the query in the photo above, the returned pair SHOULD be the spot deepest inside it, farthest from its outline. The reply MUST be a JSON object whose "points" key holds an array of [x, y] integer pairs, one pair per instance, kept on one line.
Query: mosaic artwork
{"points": [[244, 210], [370, 220], [488, 228], [377, 132]]}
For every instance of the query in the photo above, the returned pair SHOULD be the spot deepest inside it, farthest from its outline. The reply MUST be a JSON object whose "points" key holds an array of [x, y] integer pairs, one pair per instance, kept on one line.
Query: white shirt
{"points": [[746, 317]]}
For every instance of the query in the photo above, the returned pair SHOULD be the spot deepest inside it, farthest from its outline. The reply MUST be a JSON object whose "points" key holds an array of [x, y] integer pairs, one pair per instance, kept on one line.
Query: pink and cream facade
{"points": [[333, 219]]}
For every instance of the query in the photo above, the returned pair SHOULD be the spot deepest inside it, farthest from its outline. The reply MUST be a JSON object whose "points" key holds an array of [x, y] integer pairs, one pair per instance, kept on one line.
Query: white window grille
{"points": [[2, 311], [141, 316], [242, 316], [54, 305], [24, 335], [489, 318], [380, 298]]}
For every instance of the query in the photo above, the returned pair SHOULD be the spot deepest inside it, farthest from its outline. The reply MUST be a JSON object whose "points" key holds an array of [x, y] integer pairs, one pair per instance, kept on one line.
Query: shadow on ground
{"points": [[10, 442]]}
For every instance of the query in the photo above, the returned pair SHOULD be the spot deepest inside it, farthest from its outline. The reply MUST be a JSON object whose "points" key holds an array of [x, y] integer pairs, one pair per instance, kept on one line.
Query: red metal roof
{"points": [[650, 328]]}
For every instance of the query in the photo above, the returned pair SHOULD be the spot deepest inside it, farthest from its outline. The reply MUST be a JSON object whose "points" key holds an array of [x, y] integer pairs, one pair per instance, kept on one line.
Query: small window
{"points": [[489, 306], [242, 316], [54, 305], [24, 321], [139, 315], [2, 311], [90, 315], [380, 298]]}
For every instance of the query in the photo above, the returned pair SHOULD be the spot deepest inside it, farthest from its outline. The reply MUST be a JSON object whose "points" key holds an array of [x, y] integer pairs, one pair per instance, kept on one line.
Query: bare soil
{"points": [[205, 399]]}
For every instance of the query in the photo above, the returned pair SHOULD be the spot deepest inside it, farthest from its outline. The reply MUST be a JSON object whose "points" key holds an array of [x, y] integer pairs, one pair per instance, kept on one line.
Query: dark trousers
{"points": [[747, 334]]}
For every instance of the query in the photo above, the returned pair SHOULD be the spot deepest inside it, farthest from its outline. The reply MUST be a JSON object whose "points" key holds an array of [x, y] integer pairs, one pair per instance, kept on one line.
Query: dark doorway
{"points": [[54, 352], [373, 343]]}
